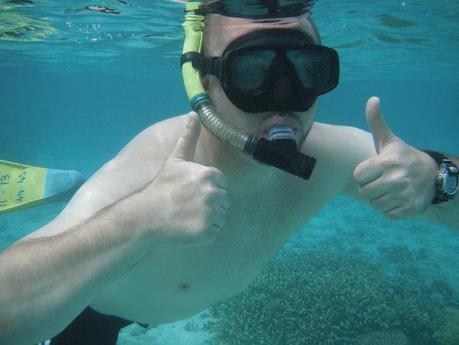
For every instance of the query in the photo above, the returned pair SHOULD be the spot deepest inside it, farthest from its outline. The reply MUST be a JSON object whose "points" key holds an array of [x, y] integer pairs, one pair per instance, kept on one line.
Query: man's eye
{"points": [[249, 70]]}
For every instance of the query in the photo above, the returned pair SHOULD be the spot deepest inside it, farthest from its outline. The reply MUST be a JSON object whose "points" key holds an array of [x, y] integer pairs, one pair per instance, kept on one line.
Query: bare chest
{"points": [[174, 283]]}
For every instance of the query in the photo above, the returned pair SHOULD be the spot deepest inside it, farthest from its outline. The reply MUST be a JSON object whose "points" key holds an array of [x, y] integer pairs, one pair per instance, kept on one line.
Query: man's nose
{"points": [[282, 89]]}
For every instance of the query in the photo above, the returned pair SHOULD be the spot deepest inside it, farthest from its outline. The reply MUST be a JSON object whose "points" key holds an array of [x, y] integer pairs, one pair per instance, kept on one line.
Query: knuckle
{"points": [[202, 225], [215, 174], [206, 214], [208, 196], [208, 172], [363, 192], [212, 171], [211, 190], [398, 179], [373, 203], [390, 216], [403, 198], [403, 182], [394, 215], [196, 176], [385, 161], [397, 160], [390, 161]]}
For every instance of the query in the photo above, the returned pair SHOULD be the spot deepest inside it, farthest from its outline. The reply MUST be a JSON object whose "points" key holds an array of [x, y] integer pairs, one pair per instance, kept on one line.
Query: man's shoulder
{"points": [[330, 131], [337, 138], [339, 148], [158, 139]]}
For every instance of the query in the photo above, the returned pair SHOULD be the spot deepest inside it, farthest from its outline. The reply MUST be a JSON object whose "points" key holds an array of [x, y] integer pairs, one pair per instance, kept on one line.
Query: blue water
{"points": [[78, 86]]}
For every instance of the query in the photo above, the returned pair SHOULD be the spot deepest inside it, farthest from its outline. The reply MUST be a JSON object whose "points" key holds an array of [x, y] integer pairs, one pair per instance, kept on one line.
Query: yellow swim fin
{"points": [[23, 186]]}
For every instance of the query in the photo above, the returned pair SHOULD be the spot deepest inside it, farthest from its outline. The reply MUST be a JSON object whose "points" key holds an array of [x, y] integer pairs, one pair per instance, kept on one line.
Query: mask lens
{"points": [[275, 69], [312, 67], [249, 69]]}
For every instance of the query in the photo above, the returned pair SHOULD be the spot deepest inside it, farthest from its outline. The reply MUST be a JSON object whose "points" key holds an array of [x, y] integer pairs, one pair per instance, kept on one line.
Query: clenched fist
{"points": [[186, 203]]}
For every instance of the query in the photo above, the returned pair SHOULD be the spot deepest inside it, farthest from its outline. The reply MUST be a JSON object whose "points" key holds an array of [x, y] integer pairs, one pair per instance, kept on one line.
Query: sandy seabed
{"points": [[184, 332]]}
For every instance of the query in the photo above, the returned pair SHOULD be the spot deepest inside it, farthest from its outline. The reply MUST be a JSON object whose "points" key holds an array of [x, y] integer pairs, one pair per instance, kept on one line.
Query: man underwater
{"points": [[181, 219]]}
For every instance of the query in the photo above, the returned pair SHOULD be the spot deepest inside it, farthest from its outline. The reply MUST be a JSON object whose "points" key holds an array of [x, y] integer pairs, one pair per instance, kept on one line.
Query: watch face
{"points": [[450, 183]]}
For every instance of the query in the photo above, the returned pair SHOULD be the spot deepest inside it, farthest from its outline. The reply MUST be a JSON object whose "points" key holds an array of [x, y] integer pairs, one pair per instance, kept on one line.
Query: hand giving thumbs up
{"points": [[400, 180]]}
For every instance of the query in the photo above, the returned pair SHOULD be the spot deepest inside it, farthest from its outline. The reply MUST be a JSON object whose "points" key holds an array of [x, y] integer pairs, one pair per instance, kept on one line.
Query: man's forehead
{"points": [[222, 30]]}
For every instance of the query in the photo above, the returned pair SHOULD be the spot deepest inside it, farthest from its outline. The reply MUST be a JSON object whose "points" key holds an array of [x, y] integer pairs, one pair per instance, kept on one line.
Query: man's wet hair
{"points": [[304, 15]]}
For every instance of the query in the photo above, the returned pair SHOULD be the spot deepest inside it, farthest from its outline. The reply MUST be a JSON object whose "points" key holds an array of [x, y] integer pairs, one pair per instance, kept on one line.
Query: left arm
{"points": [[400, 179]]}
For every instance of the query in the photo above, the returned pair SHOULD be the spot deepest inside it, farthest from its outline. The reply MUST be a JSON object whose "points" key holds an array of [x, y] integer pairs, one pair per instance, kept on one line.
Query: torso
{"points": [[174, 283]]}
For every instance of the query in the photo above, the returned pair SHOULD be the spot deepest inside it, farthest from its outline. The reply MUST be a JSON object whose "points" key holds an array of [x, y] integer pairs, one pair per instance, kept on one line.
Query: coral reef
{"points": [[449, 333], [324, 298], [389, 337]]}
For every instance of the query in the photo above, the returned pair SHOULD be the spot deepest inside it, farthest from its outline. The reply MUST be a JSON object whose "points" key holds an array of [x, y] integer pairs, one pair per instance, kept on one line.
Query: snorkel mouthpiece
{"points": [[280, 151], [281, 132]]}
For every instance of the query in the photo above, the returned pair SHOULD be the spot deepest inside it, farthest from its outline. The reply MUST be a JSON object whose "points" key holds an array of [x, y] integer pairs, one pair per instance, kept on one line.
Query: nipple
{"points": [[281, 133]]}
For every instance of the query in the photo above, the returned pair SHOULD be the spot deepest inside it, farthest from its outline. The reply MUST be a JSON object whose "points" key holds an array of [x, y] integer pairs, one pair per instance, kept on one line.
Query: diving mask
{"points": [[275, 70]]}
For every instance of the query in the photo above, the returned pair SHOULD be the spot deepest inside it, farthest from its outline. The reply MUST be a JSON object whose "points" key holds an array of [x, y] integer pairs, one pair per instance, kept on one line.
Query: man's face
{"points": [[220, 31]]}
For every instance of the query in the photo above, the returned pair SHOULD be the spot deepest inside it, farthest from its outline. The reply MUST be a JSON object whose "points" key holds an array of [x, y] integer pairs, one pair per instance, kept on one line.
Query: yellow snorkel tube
{"points": [[199, 99], [281, 154]]}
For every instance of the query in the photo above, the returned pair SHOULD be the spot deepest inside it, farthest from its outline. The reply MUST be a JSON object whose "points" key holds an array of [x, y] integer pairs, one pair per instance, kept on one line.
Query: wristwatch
{"points": [[447, 179]]}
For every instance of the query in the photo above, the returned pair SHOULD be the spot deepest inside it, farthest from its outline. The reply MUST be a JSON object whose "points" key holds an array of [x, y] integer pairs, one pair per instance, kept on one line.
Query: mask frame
{"points": [[298, 91]]}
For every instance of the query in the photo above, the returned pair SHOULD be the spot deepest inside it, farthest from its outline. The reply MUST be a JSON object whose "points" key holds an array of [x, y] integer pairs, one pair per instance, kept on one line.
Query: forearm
{"points": [[46, 282]]}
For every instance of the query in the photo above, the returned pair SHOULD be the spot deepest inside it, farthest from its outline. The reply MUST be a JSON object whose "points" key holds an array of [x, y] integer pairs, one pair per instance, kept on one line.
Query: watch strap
{"points": [[437, 156]]}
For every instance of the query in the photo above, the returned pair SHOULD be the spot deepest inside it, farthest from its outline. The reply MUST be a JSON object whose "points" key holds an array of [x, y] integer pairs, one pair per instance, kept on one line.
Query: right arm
{"points": [[46, 281]]}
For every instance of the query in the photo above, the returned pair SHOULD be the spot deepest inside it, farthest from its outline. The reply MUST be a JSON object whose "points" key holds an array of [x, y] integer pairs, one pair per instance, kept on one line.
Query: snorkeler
{"points": [[100, 9], [20, 2], [94, 8], [184, 216]]}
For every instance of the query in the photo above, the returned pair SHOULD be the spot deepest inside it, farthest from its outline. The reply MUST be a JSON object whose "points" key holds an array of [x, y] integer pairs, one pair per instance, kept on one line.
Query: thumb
{"points": [[186, 144], [382, 134]]}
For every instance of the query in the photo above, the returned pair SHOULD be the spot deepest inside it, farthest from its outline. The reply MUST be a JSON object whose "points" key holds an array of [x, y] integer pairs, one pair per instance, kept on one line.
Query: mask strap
{"points": [[209, 66]]}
